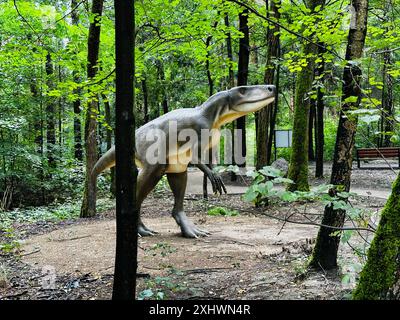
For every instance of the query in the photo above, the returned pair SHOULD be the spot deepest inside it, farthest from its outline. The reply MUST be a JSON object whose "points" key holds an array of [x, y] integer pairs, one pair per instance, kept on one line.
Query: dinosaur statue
{"points": [[221, 108]]}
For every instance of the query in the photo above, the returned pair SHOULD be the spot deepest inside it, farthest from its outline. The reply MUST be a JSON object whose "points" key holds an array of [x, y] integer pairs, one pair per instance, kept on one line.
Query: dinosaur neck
{"points": [[213, 108]]}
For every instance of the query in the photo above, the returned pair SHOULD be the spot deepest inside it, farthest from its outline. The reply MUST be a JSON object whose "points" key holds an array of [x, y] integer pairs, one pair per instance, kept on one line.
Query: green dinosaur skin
{"points": [[221, 108]]}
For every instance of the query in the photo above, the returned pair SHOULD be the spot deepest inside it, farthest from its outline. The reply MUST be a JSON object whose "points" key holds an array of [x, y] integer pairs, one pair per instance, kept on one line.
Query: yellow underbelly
{"points": [[179, 162]]}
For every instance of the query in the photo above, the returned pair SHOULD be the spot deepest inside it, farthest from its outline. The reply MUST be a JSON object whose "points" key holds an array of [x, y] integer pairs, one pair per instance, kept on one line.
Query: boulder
{"points": [[282, 165]]}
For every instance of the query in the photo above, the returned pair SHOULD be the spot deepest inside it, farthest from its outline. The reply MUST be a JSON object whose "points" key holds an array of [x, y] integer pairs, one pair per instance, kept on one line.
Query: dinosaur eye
{"points": [[242, 90]]}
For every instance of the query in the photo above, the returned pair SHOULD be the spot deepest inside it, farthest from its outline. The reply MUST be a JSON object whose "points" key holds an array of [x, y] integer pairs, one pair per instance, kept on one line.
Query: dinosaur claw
{"points": [[143, 231]]}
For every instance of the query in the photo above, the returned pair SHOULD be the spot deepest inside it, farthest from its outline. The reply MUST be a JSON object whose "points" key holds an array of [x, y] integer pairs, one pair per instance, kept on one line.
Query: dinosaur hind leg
{"points": [[147, 180], [177, 182]]}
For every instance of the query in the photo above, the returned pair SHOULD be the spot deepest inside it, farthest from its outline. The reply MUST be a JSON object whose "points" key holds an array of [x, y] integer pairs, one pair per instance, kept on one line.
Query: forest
{"points": [[295, 197]]}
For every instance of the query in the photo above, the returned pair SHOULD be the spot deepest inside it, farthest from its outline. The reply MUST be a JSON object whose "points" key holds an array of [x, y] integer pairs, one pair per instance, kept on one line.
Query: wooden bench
{"points": [[377, 153]]}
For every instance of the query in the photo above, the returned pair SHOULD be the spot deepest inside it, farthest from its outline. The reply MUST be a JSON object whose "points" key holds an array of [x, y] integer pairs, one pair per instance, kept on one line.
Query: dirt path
{"points": [[89, 247], [245, 258], [379, 186]]}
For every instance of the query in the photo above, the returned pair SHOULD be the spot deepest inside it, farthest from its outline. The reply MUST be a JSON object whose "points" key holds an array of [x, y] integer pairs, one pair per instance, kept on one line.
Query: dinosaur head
{"points": [[247, 99], [243, 100]]}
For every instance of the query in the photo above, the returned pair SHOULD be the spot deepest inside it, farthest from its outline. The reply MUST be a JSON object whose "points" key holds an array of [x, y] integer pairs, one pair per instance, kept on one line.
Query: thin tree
{"points": [[243, 72], [146, 117], [126, 171], [161, 78], [326, 247], [388, 84], [109, 134], [77, 102], [311, 125], [298, 169], [319, 119], [88, 208], [210, 93], [265, 118], [50, 113], [231, 84]]}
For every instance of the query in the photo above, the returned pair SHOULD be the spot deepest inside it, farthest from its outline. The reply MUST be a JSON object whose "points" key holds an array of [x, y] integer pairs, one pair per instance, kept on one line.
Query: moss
{"points": [[379, 274], [298, 170]]}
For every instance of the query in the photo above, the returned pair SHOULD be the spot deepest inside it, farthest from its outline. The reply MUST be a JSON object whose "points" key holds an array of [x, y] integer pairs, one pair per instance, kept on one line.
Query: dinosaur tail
{"points": [[106, 161]]}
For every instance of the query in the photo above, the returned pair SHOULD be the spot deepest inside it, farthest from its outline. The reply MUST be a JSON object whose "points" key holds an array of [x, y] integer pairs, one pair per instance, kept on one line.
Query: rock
{"points": [[282, 165]]}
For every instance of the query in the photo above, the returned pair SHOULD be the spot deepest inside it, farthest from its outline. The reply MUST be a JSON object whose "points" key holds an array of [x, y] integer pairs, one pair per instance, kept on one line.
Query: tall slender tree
{"points": [[50, 113], [231, 74], [265, 118], [146, 117], [88, 208], [161, 78], [326, 247], [109, 134], [319, 118], [311, 125], [210, 93], [243, 72], [298, 169], [231, 84], [388, 82], [126, 172], [77, 102]]}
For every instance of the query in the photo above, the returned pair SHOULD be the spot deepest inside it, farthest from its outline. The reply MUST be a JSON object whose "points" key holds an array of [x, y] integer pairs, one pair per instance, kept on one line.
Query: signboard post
{"points": [[283, 139]]}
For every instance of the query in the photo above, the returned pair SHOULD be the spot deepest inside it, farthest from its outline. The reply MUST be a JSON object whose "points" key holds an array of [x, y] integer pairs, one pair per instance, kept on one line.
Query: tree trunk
{"points": [[265, 118], [50, 114], [298, 169], [77, 102], [161, 77], [274, 114], [231, 84], [109, 133], [38, 124], [319, 123], [145, 102], [243, 71], [387, 98], [380, 277], [126, 171], [231, 74], [311, 124], [210, 93], [326, 247], [60, 117], [88, 208]]}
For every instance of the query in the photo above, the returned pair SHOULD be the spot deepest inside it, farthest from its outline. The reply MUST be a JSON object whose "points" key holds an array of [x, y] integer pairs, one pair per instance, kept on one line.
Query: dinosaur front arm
{"points": [[216, 181]]}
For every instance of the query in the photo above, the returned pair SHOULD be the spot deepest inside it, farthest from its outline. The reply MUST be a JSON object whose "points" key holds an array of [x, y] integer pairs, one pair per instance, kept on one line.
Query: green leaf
{"points": [[147, 293], [250, 195], [289, 196], [271, 172]]}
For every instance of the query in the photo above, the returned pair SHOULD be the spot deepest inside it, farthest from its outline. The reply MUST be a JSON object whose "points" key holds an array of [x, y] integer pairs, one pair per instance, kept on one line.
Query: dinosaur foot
{"points": [[189, 230], [143, 231]]}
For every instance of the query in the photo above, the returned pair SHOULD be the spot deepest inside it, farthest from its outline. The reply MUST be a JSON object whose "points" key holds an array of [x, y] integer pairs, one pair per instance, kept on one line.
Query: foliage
{"points": [[9, 244], [66, 210], [162, 248], [171, 55], [221, 211], [159, 288]]}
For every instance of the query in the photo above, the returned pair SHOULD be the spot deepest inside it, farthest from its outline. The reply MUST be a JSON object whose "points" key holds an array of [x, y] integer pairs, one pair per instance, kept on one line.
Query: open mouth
{"points": [[259, 100]]}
